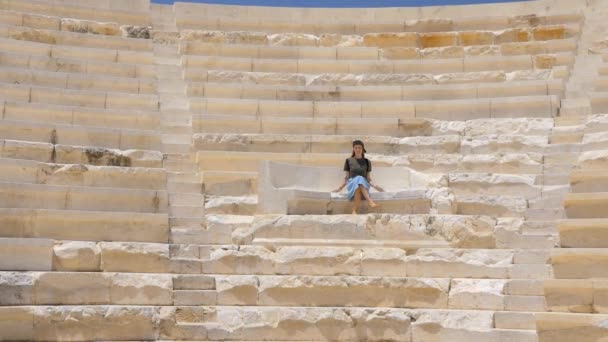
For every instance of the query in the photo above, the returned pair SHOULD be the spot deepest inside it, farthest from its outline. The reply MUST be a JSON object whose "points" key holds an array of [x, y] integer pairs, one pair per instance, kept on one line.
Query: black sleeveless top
{"points": [[357, 167]]}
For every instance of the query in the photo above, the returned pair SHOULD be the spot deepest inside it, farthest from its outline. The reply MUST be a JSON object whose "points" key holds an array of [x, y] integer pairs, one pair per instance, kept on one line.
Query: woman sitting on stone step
{"points": [[357, 177]]}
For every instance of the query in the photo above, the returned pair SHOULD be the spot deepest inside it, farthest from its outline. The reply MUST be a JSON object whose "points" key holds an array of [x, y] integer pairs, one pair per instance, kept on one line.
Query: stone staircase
{"points": [[132, 136]]}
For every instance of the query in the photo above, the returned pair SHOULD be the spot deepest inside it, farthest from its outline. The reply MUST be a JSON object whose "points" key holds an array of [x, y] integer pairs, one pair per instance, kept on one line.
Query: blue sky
{"points": [[339, 3]]}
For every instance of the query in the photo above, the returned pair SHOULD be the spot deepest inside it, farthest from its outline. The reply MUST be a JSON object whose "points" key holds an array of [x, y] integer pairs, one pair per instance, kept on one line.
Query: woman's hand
{"points": [[338, 189]]}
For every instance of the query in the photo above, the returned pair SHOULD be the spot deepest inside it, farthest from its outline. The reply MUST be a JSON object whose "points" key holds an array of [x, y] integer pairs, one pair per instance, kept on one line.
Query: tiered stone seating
{"points": [[133, 205]]}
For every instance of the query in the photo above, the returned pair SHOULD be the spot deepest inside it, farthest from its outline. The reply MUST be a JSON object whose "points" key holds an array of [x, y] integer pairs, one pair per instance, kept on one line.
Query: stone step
{"points": [[185, 187], [356, 78], [371, 46], [445, 144], [433, 66], [583, 233], [554, 326], [112, 138], [187, 210], [405, 127], [54, 36], [188, 199], [231, 205], [588, 181], [262, 323], [586, 205], [135, 15], [528, 163], [222, 183], [63, 197], [579, 263], [28, 171], [81, 116], [88, 155], [183, 176], [375, 93], [31, 254], [542, 106], [83, 225], [77, 81], [576, 295]]}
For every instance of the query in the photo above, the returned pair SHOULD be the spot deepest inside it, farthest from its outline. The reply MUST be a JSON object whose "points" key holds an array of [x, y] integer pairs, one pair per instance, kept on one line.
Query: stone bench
{"points": [[77, 81], [446, 144], [75, 52], [112, 138], [79, 98], [131, 16], [76, 39], [61, 197], [81, 116], [265, 48], [368, 79], [583, 233], [293, 189], [435, 66], [376, 93], [28, 171], [143, 72], [90, 155], [529, 163], [464, 109], [83, 225]]}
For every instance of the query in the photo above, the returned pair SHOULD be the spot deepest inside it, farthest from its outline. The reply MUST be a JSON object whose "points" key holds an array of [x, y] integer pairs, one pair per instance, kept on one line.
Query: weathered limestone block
{"points": [[569, 295], [244, 260], [26, 254], [593, 160], [354, 291], [429, 25], [314, 261], [549, 32], [87, 26], [438, 39], [438, 325], [204, 36], [140, 32], [329, 39], [193, 282], [17, 288], [477, 294], [600, 296], [560, 327], [517, 126], [38, 36], [492, 205], [494, 184], [504, 143], [16, 323], [134, 257], [482, 50], [76, 256], [459, 263], [40, 21], [383, 262], [470, 77], [400, 53], [512, 35], [546, 61], [141, 289], [237, 290], [574, 263], [311, 323], [442, 52], [293, 39], [222, 228], [110, 323], [476, 38], [384, 40], [72, 288]]}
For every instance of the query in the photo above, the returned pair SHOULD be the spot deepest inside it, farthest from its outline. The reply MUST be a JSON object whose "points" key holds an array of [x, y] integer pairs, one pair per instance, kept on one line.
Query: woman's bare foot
{"points": [[373, 205], [354, 212]]}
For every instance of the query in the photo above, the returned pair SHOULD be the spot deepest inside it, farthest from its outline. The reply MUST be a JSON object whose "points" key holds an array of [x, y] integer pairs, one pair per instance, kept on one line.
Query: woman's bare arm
{"points": [[346, 174]]}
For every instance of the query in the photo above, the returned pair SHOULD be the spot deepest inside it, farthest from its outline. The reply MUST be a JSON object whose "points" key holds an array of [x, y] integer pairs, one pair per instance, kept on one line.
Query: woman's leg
{"points": [[357, 200], [365, 194]]}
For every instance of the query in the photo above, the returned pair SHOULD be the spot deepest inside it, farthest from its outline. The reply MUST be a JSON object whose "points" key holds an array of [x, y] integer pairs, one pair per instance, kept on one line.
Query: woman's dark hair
{"points": [[360, 143]]}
